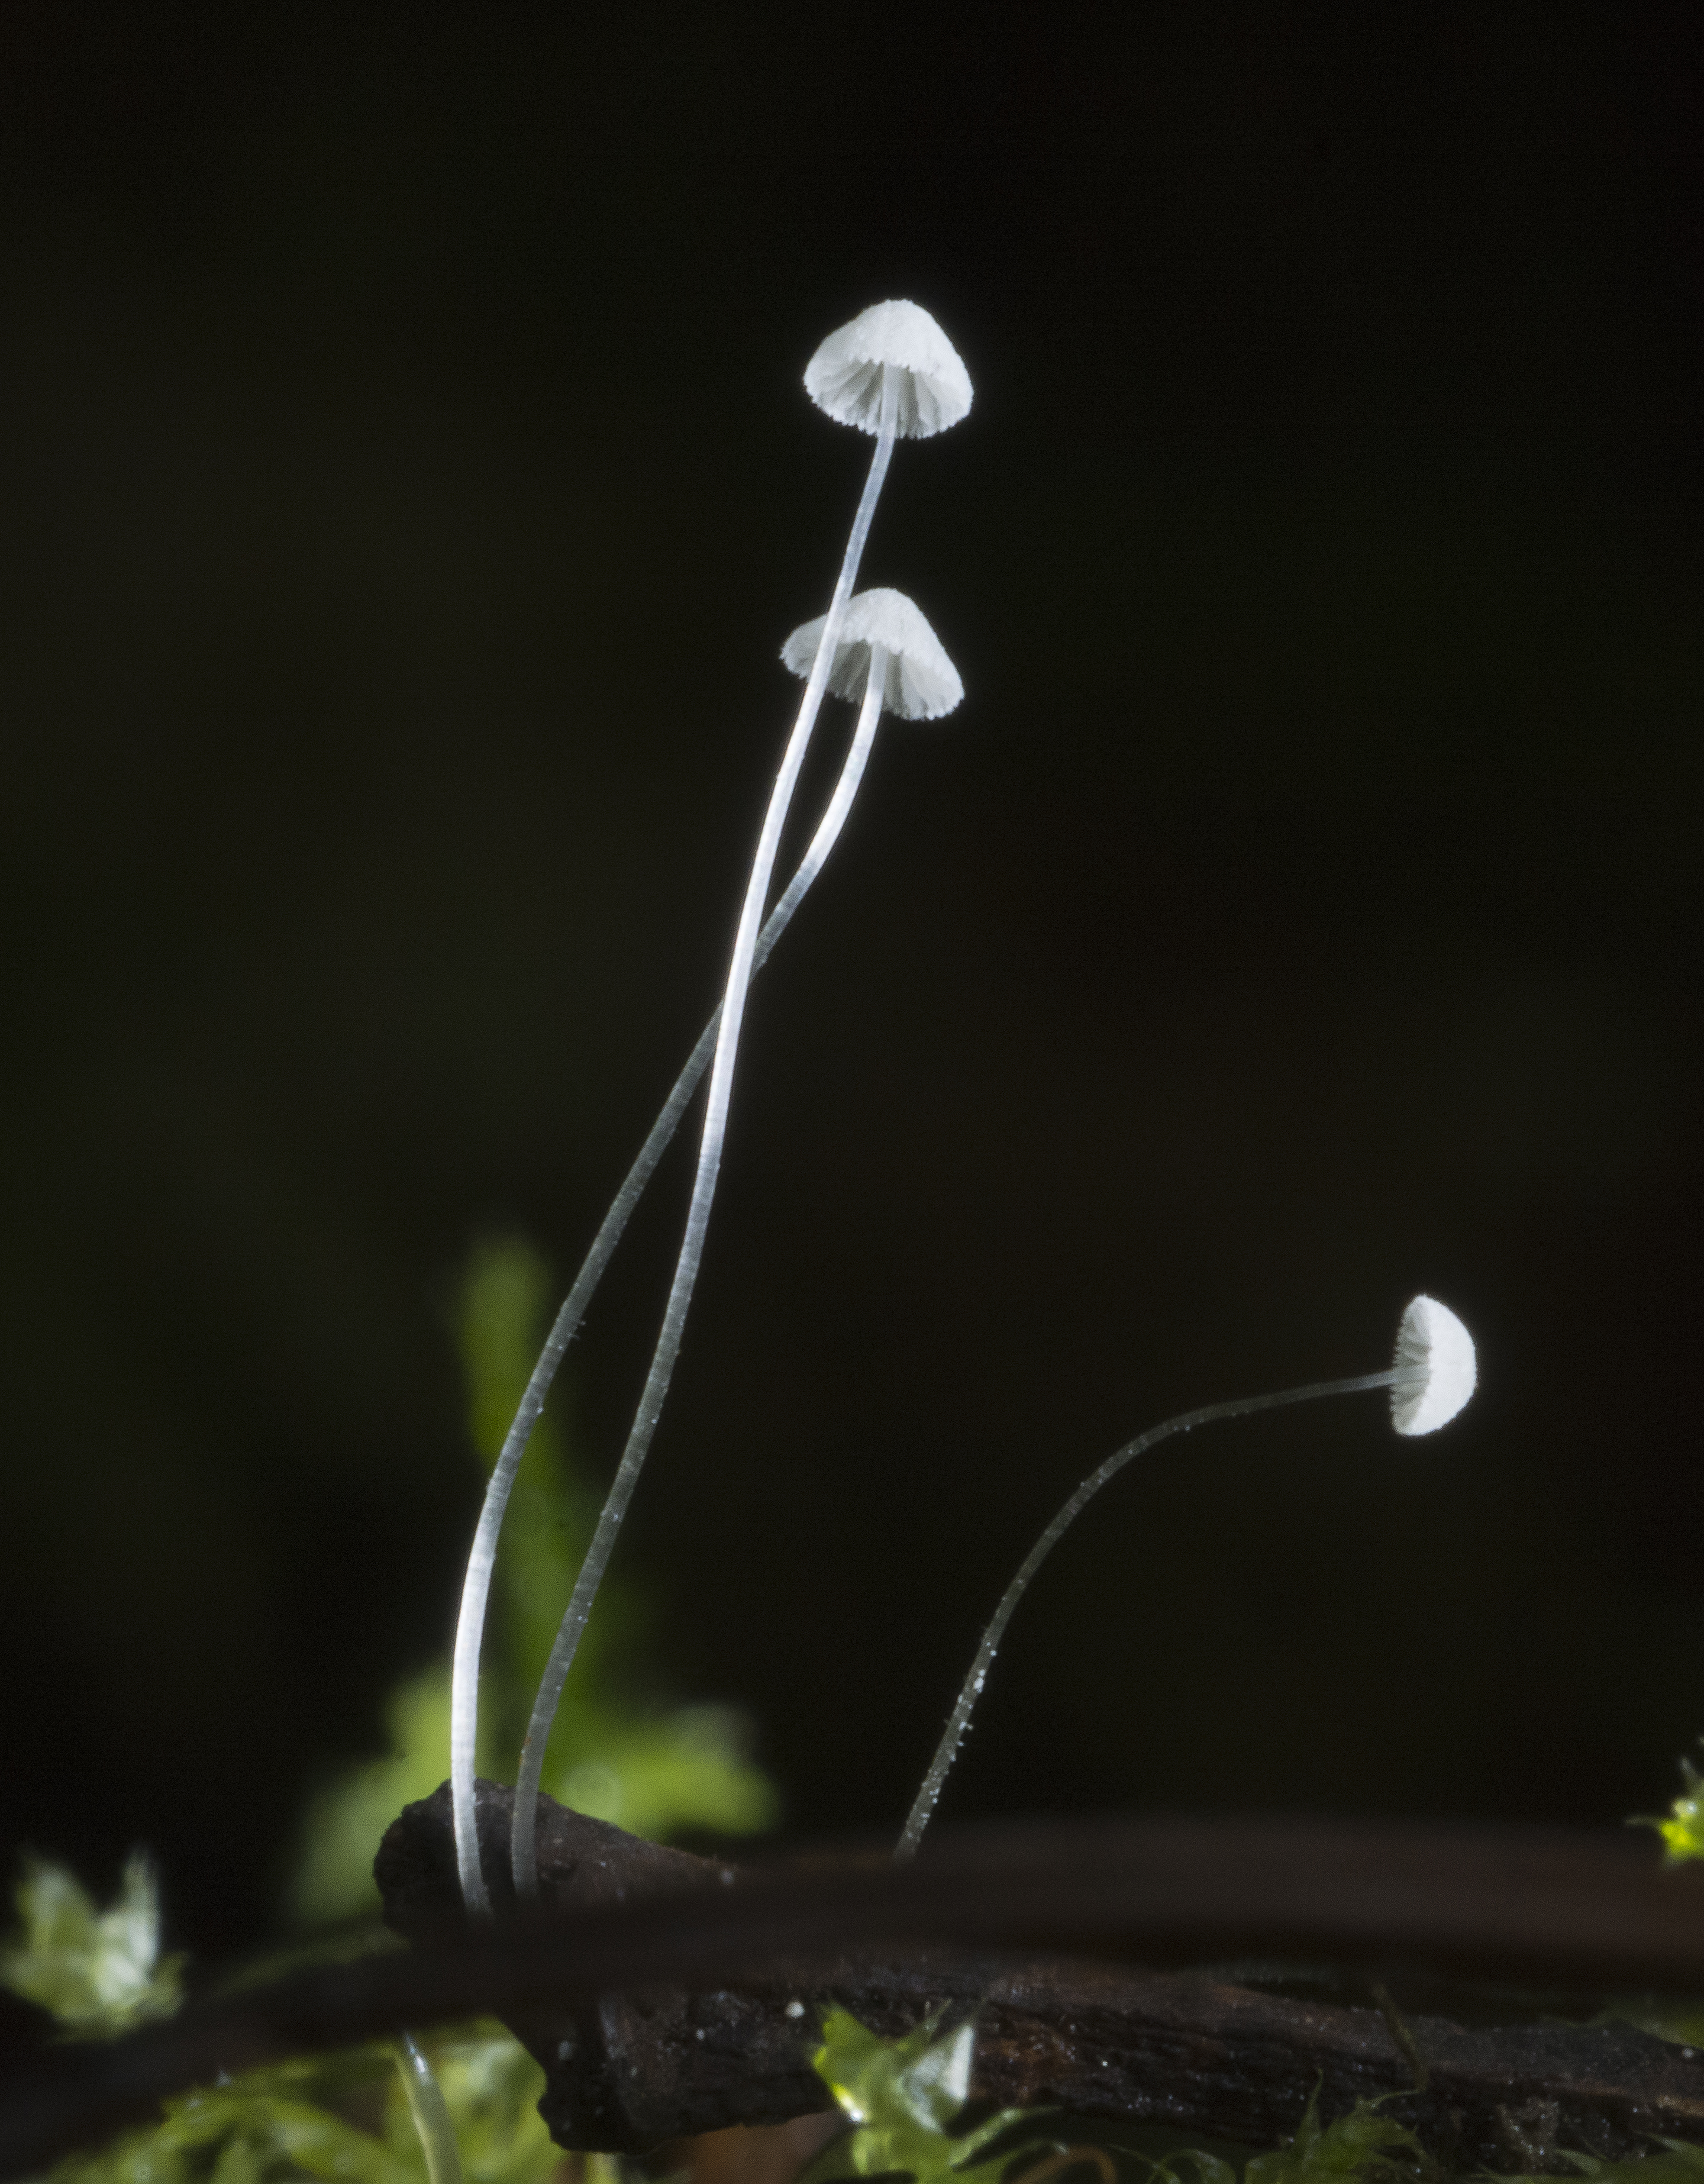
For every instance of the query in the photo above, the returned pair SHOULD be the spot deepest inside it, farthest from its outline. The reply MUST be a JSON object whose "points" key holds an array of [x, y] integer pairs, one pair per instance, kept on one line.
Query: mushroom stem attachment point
{"points": [[523, 1848]]}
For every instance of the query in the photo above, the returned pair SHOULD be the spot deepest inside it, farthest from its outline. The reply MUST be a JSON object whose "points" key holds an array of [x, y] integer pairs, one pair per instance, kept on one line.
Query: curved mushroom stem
{"points": [[431, 2112], [522, 1844], [476, 1591], [947, 1750]]}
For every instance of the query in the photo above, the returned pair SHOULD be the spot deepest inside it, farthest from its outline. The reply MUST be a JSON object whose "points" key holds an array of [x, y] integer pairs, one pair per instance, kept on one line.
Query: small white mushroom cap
{"points": [[920, 683], [844, 377], [1432, 1341]]}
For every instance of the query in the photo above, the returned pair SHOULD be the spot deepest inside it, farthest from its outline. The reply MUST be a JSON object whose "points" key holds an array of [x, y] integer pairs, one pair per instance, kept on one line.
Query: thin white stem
{"points": [[821, 842], [430, 2113], [522, 1849], [947, 1750], [481, 1560]]}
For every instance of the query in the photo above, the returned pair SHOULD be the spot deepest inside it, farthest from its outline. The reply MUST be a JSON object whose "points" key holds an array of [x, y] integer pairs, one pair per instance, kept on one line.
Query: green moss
{"points": [[346, 2121], [98, 1972], [1682, 1830], [1364, 2144], [902, 2097], [1670, 2161], [619, 1751], [344, 2118]]}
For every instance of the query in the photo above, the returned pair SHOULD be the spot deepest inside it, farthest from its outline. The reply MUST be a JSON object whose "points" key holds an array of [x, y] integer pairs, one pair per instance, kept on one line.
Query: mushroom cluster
{"points": [[891, 372]]}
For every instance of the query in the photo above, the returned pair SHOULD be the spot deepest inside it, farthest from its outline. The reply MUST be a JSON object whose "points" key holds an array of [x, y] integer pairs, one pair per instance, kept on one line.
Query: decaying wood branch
{"points": [[632, 1924], [1105, 2041]]}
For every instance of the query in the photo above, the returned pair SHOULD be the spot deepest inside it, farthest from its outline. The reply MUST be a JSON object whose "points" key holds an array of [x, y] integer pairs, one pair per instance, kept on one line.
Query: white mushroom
{"points": [[896, 341], [890, 364], [1437, 1366], [918, 682], [1432, 1378], [481, 1560]]}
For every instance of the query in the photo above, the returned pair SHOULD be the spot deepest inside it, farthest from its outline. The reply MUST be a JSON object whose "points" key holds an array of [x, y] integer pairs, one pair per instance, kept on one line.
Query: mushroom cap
{"points": [[844, 377], [1431, 1339], [920, 683]]}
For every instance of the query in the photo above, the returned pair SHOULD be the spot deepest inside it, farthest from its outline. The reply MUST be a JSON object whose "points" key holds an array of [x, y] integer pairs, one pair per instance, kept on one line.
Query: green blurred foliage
{"points": [[616, 1751], [1682, 1828], [347, 2117], [1365, 2144], [98, 1972], [344, 2117], [1675, 2163], [903, 2096]]}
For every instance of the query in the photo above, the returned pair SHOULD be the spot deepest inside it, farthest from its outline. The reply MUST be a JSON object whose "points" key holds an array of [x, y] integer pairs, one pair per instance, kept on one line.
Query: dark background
{"points": [[408, 485]]}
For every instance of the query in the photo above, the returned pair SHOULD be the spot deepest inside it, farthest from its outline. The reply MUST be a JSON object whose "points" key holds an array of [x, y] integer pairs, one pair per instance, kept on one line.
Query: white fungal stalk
{"points": [[429, 2110], [1432, 1377], [892, 358], [482, 1561]]}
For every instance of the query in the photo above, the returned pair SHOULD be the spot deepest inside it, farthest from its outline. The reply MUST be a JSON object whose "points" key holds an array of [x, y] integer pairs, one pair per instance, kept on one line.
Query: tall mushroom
{"points": [[888, 655], [1432, 1378], [915, 680], [891, 373]]}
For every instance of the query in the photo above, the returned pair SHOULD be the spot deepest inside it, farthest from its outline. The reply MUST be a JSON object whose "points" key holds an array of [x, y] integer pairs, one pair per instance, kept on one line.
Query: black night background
{"points": [[409, 485]]}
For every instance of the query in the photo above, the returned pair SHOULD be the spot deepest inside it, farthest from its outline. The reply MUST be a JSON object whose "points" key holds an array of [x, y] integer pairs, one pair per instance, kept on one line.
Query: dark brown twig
{"points": [[1107, 2040], [654, 1927]]}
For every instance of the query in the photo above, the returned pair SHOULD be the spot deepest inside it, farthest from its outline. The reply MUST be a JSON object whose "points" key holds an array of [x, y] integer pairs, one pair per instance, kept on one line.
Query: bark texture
{"points": [[1112, 2041]]}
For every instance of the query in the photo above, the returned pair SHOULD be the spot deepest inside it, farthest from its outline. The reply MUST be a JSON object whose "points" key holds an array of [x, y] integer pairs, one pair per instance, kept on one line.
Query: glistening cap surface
{"points": [[1431, 1341], [844, 377], [920, 683]]}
